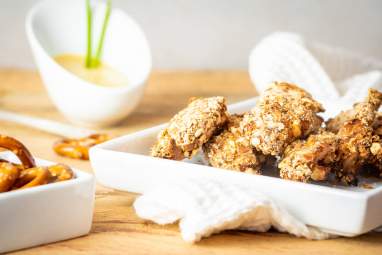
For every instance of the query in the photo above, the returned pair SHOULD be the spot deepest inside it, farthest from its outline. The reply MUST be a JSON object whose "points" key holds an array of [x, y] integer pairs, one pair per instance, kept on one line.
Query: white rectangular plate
{"points": [[46, 213], [123, 163]]}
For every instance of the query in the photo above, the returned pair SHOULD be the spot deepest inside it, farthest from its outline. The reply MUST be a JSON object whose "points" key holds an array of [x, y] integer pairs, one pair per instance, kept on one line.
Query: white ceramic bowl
{"points": [[56, 27], [46, 213]]}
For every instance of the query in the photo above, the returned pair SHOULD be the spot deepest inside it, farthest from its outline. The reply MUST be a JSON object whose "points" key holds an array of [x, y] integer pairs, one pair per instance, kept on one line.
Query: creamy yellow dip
{"points": [[103, 75]]}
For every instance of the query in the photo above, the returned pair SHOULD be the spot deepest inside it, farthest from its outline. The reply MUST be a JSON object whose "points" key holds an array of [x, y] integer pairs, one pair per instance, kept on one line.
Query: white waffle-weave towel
{"points": [[205, 207], [335, 77]]}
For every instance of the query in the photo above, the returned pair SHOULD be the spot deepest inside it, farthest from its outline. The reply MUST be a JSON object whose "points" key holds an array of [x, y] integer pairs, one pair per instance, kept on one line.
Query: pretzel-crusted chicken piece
{"points": [[190, 128], [231, 150], [309, 159], [334, 124], [377, 124], [375, 158], [165, 147], [356, 138], [283, 114]]}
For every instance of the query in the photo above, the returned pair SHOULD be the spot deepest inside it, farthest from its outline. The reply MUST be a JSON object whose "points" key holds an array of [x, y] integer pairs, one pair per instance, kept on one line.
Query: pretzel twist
{"points": [[78, 148], [60, 172], [25, 175], [32, 177], [8, 175], [18, 149]]}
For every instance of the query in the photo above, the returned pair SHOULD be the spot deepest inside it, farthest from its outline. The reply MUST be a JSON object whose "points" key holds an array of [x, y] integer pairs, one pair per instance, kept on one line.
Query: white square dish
{"points": [[123, 163], [46, 213]]}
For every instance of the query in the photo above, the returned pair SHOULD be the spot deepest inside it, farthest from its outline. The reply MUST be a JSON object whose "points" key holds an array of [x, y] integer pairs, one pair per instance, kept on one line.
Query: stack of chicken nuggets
{"points": [[284, 125]]}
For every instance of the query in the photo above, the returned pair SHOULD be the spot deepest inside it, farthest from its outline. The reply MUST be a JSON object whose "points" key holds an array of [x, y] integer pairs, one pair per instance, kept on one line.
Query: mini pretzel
{"points": [[78, 148], [32, 177], [18, 149], [19, 166], [60, 172], [8, 175]]}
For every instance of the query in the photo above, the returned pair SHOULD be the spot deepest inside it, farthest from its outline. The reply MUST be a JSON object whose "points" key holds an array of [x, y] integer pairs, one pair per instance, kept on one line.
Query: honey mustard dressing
{"points": [[102, 75]]}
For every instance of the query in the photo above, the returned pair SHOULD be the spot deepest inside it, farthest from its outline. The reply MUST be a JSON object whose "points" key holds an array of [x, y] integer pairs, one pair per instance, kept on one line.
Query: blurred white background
{"points": [[219, 34]]}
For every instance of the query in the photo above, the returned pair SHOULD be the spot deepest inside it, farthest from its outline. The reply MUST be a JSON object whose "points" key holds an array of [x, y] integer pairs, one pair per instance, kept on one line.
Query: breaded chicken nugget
{"points": [[283, 114], [189, 129], [231, 150]]}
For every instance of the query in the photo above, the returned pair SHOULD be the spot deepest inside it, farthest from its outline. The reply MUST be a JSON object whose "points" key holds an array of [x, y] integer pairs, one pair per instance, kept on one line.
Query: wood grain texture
{"points": [[116, 229]]}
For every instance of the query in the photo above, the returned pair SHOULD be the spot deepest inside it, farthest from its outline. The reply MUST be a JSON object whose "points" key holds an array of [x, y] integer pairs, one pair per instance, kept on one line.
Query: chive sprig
{"points": [[94, 62]]}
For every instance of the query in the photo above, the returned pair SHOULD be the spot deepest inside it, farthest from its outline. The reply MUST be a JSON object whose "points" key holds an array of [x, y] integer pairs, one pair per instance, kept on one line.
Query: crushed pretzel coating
{"points": [[166, 148], [356, 138], [191, 128], [231, 150], [365, 112], [310, 159], [375, 158], [283, 114], [334, 124], [377, 124]]}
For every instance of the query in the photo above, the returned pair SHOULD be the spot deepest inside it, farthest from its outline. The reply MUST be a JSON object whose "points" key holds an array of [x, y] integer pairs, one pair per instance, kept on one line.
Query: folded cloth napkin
{"points": [[204, 207]]}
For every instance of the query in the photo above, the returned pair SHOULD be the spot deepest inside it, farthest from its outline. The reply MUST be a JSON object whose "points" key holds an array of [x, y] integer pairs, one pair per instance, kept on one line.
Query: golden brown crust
{"points": [[190, 128], [283, 114], [231, 150], [310, 159]]}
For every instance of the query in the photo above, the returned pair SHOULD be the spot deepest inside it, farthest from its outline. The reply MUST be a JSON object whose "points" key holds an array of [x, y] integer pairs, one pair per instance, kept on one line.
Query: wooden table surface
{"points": [[116, 229]]}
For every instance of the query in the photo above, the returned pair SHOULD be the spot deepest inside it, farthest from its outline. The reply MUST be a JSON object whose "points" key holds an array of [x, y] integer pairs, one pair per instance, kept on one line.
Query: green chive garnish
{"points": [[89, 35], [96, 61]]}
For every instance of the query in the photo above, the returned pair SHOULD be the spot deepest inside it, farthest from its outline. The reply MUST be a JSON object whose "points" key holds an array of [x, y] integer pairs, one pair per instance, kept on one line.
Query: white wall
{"points": [[216, 34]]}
